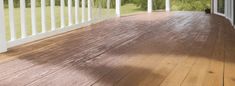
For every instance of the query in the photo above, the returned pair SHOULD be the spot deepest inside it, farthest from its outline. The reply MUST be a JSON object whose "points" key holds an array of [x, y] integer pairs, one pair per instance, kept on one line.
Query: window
{"points": [[234, 12], [220, 4]]}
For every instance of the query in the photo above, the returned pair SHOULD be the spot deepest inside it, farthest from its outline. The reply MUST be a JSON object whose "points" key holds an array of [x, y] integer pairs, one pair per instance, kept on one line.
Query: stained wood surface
{"points": [[157, 49]]}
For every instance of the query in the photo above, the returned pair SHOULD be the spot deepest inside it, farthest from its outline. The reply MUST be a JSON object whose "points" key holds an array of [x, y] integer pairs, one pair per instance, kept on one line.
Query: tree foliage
{"points": [[197, 5]]}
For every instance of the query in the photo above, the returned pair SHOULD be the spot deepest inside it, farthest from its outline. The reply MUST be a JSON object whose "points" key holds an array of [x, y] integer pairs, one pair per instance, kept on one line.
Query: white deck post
{"points": [[62, 24], [53, 24], [118, 8], [100, 10], [150, 6], [168, 5], [12, 22], [3, 43], [108, 7], [43, 14], [70, 12], [83, 10], [76, 11], [89, 10], [33, 17], [22, 18]]}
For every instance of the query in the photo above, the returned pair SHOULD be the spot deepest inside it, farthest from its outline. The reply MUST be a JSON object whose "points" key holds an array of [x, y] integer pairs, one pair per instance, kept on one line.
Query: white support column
{"points": [[118, 8], [70, 12], [89, 10], [12, 20], [150, 6], [83, 10], [22, 18], [215, 6], [53, 25], [168, 5], [76, 11], [62, 24], [43, 14], [33, 17], [3, 43]]}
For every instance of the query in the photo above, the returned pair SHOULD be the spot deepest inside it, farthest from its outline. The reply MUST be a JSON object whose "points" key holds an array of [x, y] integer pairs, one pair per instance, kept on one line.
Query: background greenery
{"points": [[188, 5]]}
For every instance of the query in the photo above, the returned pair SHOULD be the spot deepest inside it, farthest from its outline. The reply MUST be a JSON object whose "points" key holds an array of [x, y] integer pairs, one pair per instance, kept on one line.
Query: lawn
{"points": [[125, 10]]}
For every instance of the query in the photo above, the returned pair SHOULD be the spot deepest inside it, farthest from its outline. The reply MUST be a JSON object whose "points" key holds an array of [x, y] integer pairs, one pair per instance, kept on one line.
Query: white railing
{"points": [[36, 35]]}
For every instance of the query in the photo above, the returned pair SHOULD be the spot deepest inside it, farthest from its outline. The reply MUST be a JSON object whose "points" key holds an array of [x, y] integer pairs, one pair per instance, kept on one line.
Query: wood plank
{"points": [[198, 72], [167, 49], [215, 71], [229, 76], [180, 72]]}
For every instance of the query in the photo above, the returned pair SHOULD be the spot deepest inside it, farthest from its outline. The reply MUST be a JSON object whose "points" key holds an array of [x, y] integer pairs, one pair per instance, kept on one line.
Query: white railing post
{"points": [[70, 12], [62, 24], [22, 18], [76, 11], [118, 8], [12, 22], [43, 14], [150, 6], [3, 43], [168, 5], [33, 17], [89, 10], [99, 10], [83, 10], [53, 26], [108, 7]]}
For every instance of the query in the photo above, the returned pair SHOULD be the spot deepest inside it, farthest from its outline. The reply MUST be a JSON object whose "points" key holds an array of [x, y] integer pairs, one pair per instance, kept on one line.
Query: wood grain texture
{"points": [[157, 49]]}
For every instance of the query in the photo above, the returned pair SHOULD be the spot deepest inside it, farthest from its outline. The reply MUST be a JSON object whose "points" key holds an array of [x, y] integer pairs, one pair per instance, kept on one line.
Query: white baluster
{"points": [[43, 14], [118, 8], [99, 10], [3, 43], [168, 5], [83, 10], [89, 10], [108, 7], [150, 6], [22, 18], [53, 25], [62, 24], [33, 17], [12, 20], [70, 12], [76, 11]]}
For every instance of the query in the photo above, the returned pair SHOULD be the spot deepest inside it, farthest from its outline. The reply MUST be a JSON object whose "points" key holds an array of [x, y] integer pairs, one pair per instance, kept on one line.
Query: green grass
{"points": [[125, 10]]}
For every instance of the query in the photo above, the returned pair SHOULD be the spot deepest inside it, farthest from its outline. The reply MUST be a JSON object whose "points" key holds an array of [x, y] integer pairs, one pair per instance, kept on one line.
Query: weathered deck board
{"points": [[158, 49]]}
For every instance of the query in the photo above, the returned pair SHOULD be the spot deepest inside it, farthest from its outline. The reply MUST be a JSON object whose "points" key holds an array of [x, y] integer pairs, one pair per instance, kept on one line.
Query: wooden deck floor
{"points": [[158, 49]]}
